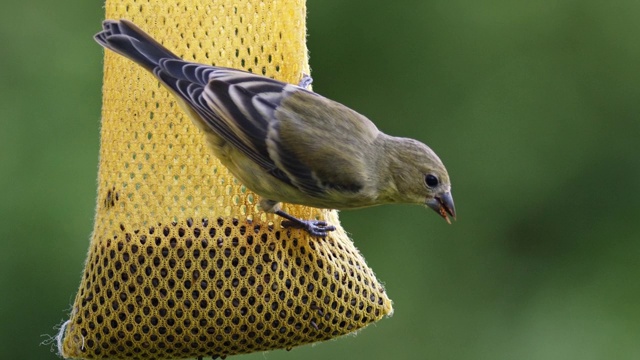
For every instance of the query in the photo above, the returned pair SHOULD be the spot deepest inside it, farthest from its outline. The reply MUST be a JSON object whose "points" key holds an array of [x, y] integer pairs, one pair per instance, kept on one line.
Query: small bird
{"points": [[287, 143]]}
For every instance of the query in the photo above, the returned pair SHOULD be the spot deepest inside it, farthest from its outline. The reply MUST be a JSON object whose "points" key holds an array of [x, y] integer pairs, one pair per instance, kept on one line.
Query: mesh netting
{"points": [[182, 263]]}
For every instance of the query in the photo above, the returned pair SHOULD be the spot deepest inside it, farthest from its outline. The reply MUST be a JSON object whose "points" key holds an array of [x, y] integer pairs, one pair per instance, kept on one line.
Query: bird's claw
{"points": [[316, 228]]}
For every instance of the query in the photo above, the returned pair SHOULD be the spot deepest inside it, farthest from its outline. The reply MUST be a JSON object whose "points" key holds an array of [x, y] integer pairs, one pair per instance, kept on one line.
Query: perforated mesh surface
{"points": [[182, 263]]}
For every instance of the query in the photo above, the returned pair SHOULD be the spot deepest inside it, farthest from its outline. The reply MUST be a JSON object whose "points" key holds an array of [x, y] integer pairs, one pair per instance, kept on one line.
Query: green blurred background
{"points": [[533, 106]]}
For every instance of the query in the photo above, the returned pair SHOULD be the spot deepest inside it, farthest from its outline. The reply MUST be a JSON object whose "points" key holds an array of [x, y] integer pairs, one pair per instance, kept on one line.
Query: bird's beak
{"points": [[443, 205]]}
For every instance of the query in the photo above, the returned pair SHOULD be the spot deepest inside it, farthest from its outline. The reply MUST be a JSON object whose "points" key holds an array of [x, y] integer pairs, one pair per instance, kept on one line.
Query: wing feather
{"points": [[243, 109]]}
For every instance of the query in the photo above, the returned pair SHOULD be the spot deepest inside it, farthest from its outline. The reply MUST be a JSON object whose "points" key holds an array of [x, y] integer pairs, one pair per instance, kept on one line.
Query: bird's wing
{"points": [[319, 145], [300, 137], [189, 80], [246, 103], [334, 143]]}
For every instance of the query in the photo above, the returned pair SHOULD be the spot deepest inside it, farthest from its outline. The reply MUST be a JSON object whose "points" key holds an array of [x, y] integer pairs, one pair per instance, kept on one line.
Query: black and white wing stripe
{"points": [[239, 107], [247, 103], [188, 80]]}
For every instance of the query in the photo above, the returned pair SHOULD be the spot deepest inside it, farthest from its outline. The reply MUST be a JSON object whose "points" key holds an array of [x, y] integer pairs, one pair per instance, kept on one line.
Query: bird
{"points": [[287, 143]]}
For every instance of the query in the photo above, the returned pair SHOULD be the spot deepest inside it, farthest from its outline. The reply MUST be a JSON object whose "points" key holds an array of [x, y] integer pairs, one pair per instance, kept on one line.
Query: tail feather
{"points": [[189, 71], [128, 40]]}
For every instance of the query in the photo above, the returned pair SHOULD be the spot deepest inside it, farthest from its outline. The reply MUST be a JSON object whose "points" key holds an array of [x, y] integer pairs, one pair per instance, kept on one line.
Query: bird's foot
{"points": [[306, 81], [313, 227], [317, 228]]}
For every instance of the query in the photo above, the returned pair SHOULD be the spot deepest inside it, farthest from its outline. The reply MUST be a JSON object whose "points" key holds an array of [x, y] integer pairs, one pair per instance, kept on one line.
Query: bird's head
{"points": [[420, 177]]}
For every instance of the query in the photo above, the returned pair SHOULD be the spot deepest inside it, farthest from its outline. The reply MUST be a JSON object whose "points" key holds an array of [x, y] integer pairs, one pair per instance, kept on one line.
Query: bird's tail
{"points": [[128, 40]]}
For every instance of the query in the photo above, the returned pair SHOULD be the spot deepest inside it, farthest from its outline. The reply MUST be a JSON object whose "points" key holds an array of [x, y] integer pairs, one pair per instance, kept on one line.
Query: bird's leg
{"points": [[313, 227], [306, 81]]}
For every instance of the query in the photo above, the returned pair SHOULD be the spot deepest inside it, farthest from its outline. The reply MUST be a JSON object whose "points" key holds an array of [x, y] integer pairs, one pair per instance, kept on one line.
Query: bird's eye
{"points": [[431, 181]]}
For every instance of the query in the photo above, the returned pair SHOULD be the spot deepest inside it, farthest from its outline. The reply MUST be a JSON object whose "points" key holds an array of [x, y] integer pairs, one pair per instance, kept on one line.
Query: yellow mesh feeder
{"points": [[182, 262]]}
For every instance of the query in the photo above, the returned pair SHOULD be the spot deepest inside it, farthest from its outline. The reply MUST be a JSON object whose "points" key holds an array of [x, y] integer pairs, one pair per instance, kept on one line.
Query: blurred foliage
{"points": [[533, 106]]}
